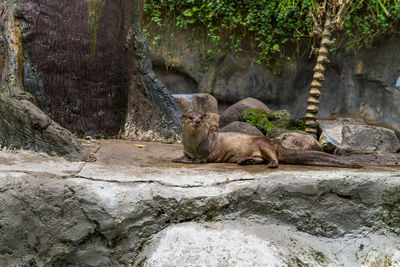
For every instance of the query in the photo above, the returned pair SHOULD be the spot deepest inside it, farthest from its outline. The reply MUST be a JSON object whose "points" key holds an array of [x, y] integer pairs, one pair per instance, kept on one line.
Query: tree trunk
{"points": [[82, 65], [318, 77], [22, 123]]}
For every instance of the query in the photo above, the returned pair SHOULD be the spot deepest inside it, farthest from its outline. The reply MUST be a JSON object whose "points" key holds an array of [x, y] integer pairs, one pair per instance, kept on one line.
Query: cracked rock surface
{"points": [[133, 206]]}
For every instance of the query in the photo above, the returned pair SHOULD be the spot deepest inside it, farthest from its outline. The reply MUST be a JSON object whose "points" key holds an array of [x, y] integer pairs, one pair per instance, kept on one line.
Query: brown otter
{"points": [[204, 145]]}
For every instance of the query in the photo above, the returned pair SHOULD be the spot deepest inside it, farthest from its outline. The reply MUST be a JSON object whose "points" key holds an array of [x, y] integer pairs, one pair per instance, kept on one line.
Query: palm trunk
{"points": [[318, 78]]}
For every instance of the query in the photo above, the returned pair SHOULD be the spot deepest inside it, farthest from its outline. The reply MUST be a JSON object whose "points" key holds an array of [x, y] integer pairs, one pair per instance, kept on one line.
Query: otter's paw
{"points": [[273, 164], [246, 161], [183, 159]]}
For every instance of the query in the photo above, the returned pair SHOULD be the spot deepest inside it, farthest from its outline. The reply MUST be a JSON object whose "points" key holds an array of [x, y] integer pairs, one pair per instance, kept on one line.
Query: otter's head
{"points": [[194, 122]]}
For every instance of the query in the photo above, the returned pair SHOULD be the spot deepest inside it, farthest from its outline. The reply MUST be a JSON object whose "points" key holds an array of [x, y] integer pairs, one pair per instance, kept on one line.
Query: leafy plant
{"points": [[276, 29]]}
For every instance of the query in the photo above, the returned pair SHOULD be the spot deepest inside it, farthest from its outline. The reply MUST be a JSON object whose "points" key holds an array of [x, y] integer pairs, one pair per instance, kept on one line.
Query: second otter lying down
{"points": [[204, 145]]}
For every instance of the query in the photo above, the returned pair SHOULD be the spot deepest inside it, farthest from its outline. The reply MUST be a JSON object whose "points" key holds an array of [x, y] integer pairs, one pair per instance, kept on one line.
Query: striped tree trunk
{"points": [[318, 78]]}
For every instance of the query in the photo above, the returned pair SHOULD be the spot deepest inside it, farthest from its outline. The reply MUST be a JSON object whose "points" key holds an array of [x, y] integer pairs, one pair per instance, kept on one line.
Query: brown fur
{"points": [[204, 145]]}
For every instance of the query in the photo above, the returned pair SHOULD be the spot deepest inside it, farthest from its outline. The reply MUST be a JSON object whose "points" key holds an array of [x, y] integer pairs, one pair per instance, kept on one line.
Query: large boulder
{"points": [[334, 128], [197, 102], [351, 135], [332, 132], [298, 141], [241, 127], [232, 113], [369, 139]]}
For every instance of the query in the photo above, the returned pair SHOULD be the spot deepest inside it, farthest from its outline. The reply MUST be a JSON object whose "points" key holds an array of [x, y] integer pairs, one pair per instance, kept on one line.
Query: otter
{"points": [[204, 145]]}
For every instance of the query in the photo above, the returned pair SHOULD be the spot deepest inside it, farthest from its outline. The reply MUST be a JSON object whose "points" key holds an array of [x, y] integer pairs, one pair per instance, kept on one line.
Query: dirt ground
{"points": [[154, 154]]}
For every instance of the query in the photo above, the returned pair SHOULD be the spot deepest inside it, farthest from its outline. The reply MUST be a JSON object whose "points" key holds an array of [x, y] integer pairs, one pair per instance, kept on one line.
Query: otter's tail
{"points": [[313, 158]]}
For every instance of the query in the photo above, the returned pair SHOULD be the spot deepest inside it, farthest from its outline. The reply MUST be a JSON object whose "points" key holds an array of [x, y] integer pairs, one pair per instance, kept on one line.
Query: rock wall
{"points": [[361, 84]]}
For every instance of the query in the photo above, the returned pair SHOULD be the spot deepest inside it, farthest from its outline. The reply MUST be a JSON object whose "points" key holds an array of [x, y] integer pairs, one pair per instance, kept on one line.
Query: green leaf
{"points": [[187, 13]]}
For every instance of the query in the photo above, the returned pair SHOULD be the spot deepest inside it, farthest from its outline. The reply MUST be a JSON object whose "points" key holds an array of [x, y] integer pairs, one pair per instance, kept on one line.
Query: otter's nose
{"points": [[197, 121]]}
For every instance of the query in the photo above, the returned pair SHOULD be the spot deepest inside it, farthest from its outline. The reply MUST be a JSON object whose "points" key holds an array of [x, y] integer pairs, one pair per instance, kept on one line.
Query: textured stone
{"points": [[299, 141], [370, 139], [241, 127], [348, 135], [113, 212], [198, 102], [232, 113], [334, 128], [332, 132]]}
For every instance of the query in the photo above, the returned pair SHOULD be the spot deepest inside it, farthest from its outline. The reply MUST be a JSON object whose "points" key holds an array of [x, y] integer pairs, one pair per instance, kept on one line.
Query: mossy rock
{"points": [[279, 115], [283, 119], [296, 125], [272, 124], [256, 117]]}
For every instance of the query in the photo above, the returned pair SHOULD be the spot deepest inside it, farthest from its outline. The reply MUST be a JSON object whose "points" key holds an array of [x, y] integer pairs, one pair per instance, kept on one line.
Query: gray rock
{"points": [[199, 102], [245, 243], [299, 141], [241, 127], [334, 128], [232, 113], [349, 135], [370, 139], [332, 132], [128, 206]]}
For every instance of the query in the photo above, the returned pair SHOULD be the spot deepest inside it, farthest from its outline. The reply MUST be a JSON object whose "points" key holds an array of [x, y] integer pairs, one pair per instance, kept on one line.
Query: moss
{"points": [[391, 217], [279, 115], [390, 211], [210, 214], [319, 256], [256, 117], [272, 124], [142, 262], [296, 125]]}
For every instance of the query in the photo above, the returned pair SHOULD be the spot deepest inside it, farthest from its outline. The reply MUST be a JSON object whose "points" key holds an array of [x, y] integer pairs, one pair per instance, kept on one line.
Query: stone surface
{"points": [[241, 127], [245, 243], [189, 243], [199, 102], [299, 141], [334, 128], [370, 139], [232, 113], [348, 135], [105, 213]]}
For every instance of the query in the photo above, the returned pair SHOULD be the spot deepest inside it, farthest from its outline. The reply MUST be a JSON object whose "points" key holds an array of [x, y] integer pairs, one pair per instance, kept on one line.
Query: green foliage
{"points": [[274, 122], [226, 23], [369, 19], [256, 117], [296, 125], [273, 27], [283, 119], [279, 115]]}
